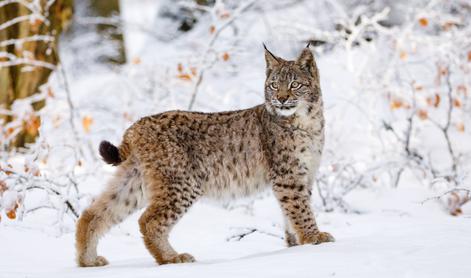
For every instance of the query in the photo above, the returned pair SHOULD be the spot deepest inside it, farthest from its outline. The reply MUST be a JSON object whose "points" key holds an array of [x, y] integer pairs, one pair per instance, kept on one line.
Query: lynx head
{"points": [[291, 86]]}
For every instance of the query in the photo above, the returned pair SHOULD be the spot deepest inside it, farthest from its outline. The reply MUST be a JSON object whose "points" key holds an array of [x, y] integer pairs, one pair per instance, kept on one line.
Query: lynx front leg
{"points": [[295, 203]]}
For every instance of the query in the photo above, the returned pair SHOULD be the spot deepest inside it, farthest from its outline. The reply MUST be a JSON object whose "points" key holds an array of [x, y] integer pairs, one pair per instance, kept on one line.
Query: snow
{"points": [[395, 235]]}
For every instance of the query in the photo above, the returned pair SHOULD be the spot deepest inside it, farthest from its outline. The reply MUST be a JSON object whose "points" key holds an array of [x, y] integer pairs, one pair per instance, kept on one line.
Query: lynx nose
{"points": [[282, 99]]}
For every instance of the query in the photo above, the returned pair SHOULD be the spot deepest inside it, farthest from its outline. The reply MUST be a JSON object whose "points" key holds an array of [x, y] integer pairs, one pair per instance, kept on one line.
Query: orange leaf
{"points": [[225, 56], [423, 21], [396, 104], [35, 24], [7, 172], [32, 125], [87, 121], [11, 214], [3, 187], [437, 100], [403, 55], [462, 89], [50, 93], [456, 212], [423, 115], [456, 103], [418, 87], [434, 101], [184, 76], [136, 60], [460, 127], [212, 29], [10, 130], [180, 67], [469, 56]]}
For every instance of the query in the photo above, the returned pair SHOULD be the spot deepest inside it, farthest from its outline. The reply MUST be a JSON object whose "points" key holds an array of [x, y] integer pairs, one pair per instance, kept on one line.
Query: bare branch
{"points": [[249, 231], [238, 12]]}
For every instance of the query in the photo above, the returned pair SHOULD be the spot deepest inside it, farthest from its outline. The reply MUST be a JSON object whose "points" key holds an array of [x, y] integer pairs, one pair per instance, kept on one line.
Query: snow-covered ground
{"points": [[395, 235]]}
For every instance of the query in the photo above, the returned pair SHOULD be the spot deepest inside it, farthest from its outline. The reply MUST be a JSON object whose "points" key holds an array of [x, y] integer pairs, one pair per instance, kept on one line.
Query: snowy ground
{"points": [[417, 240]]}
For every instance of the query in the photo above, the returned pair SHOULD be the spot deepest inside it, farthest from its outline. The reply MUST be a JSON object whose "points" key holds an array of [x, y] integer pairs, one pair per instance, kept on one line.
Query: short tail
{"points": [[112, 154]]}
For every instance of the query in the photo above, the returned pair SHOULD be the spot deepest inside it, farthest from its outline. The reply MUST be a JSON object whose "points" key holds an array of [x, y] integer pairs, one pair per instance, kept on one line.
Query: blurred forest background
{"points": [[395, 77]]}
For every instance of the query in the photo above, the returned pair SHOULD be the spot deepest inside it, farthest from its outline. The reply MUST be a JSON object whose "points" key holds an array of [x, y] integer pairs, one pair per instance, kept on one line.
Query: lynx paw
{"points": [[290, 239], [324, 237], [98, 261], [180, 258], [318, 238]]}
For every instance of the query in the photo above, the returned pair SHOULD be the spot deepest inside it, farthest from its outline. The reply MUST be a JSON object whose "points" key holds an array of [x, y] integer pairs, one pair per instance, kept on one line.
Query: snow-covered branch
{"points": [[20, 41], [216, 32], [13, 60]]}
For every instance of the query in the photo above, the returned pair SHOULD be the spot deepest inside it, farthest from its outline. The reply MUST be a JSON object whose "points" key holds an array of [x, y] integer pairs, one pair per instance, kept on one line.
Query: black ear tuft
{"points": [[270, 59]]}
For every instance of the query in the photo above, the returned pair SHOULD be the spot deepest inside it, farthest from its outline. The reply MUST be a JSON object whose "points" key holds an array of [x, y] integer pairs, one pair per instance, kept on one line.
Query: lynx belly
{"points": [[237, 182]]}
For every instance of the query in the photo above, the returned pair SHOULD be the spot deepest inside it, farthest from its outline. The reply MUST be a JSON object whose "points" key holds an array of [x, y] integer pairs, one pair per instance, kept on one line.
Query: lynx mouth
{"points": [[285, 107], [285, 110]]}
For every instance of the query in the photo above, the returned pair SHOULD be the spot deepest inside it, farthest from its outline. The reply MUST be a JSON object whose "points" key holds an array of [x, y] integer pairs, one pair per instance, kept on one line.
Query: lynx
{"points": [[167, 162]]}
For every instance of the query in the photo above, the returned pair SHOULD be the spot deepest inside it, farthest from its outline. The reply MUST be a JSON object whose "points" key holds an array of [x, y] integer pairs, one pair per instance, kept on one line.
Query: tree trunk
{"points": [[108, 9], [22, 80]]}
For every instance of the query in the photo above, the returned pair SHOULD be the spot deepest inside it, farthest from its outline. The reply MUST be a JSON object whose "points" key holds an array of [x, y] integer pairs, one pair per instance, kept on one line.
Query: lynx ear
{"points": [[306, 61], [272, 60]]}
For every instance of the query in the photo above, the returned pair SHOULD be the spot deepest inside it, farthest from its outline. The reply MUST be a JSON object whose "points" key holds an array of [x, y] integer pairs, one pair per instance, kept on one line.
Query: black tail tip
{"points": [[110, 153]]}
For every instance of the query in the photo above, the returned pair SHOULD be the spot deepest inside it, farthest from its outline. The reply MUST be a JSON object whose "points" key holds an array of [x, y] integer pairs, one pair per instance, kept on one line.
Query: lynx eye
{"points": [[295, 85], [274, 86]]}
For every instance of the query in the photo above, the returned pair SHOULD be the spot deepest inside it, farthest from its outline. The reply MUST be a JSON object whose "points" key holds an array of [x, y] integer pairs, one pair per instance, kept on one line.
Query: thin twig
{"points": [[244, 7], [438, 197], [249, 231]]}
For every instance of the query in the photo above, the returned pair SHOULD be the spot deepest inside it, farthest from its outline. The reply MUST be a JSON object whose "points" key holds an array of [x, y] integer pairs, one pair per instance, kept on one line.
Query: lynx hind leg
{"points": [[121, 198], [290, 234], [167, 204]]}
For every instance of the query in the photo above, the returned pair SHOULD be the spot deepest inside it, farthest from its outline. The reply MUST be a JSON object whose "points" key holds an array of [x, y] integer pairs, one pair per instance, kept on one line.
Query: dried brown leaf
{"points": [[423, 21], [422, 114], [87, 121]]}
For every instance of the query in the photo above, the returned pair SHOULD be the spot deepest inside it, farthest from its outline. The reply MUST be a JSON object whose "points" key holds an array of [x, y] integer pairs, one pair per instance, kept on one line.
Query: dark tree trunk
{"points": [[108, 9], [23, 80]]}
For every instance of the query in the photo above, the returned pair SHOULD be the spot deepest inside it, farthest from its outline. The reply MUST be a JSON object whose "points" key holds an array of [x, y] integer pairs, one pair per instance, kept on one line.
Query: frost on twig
{"points": [[227, 19], [452, 199], [245, 231]]}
